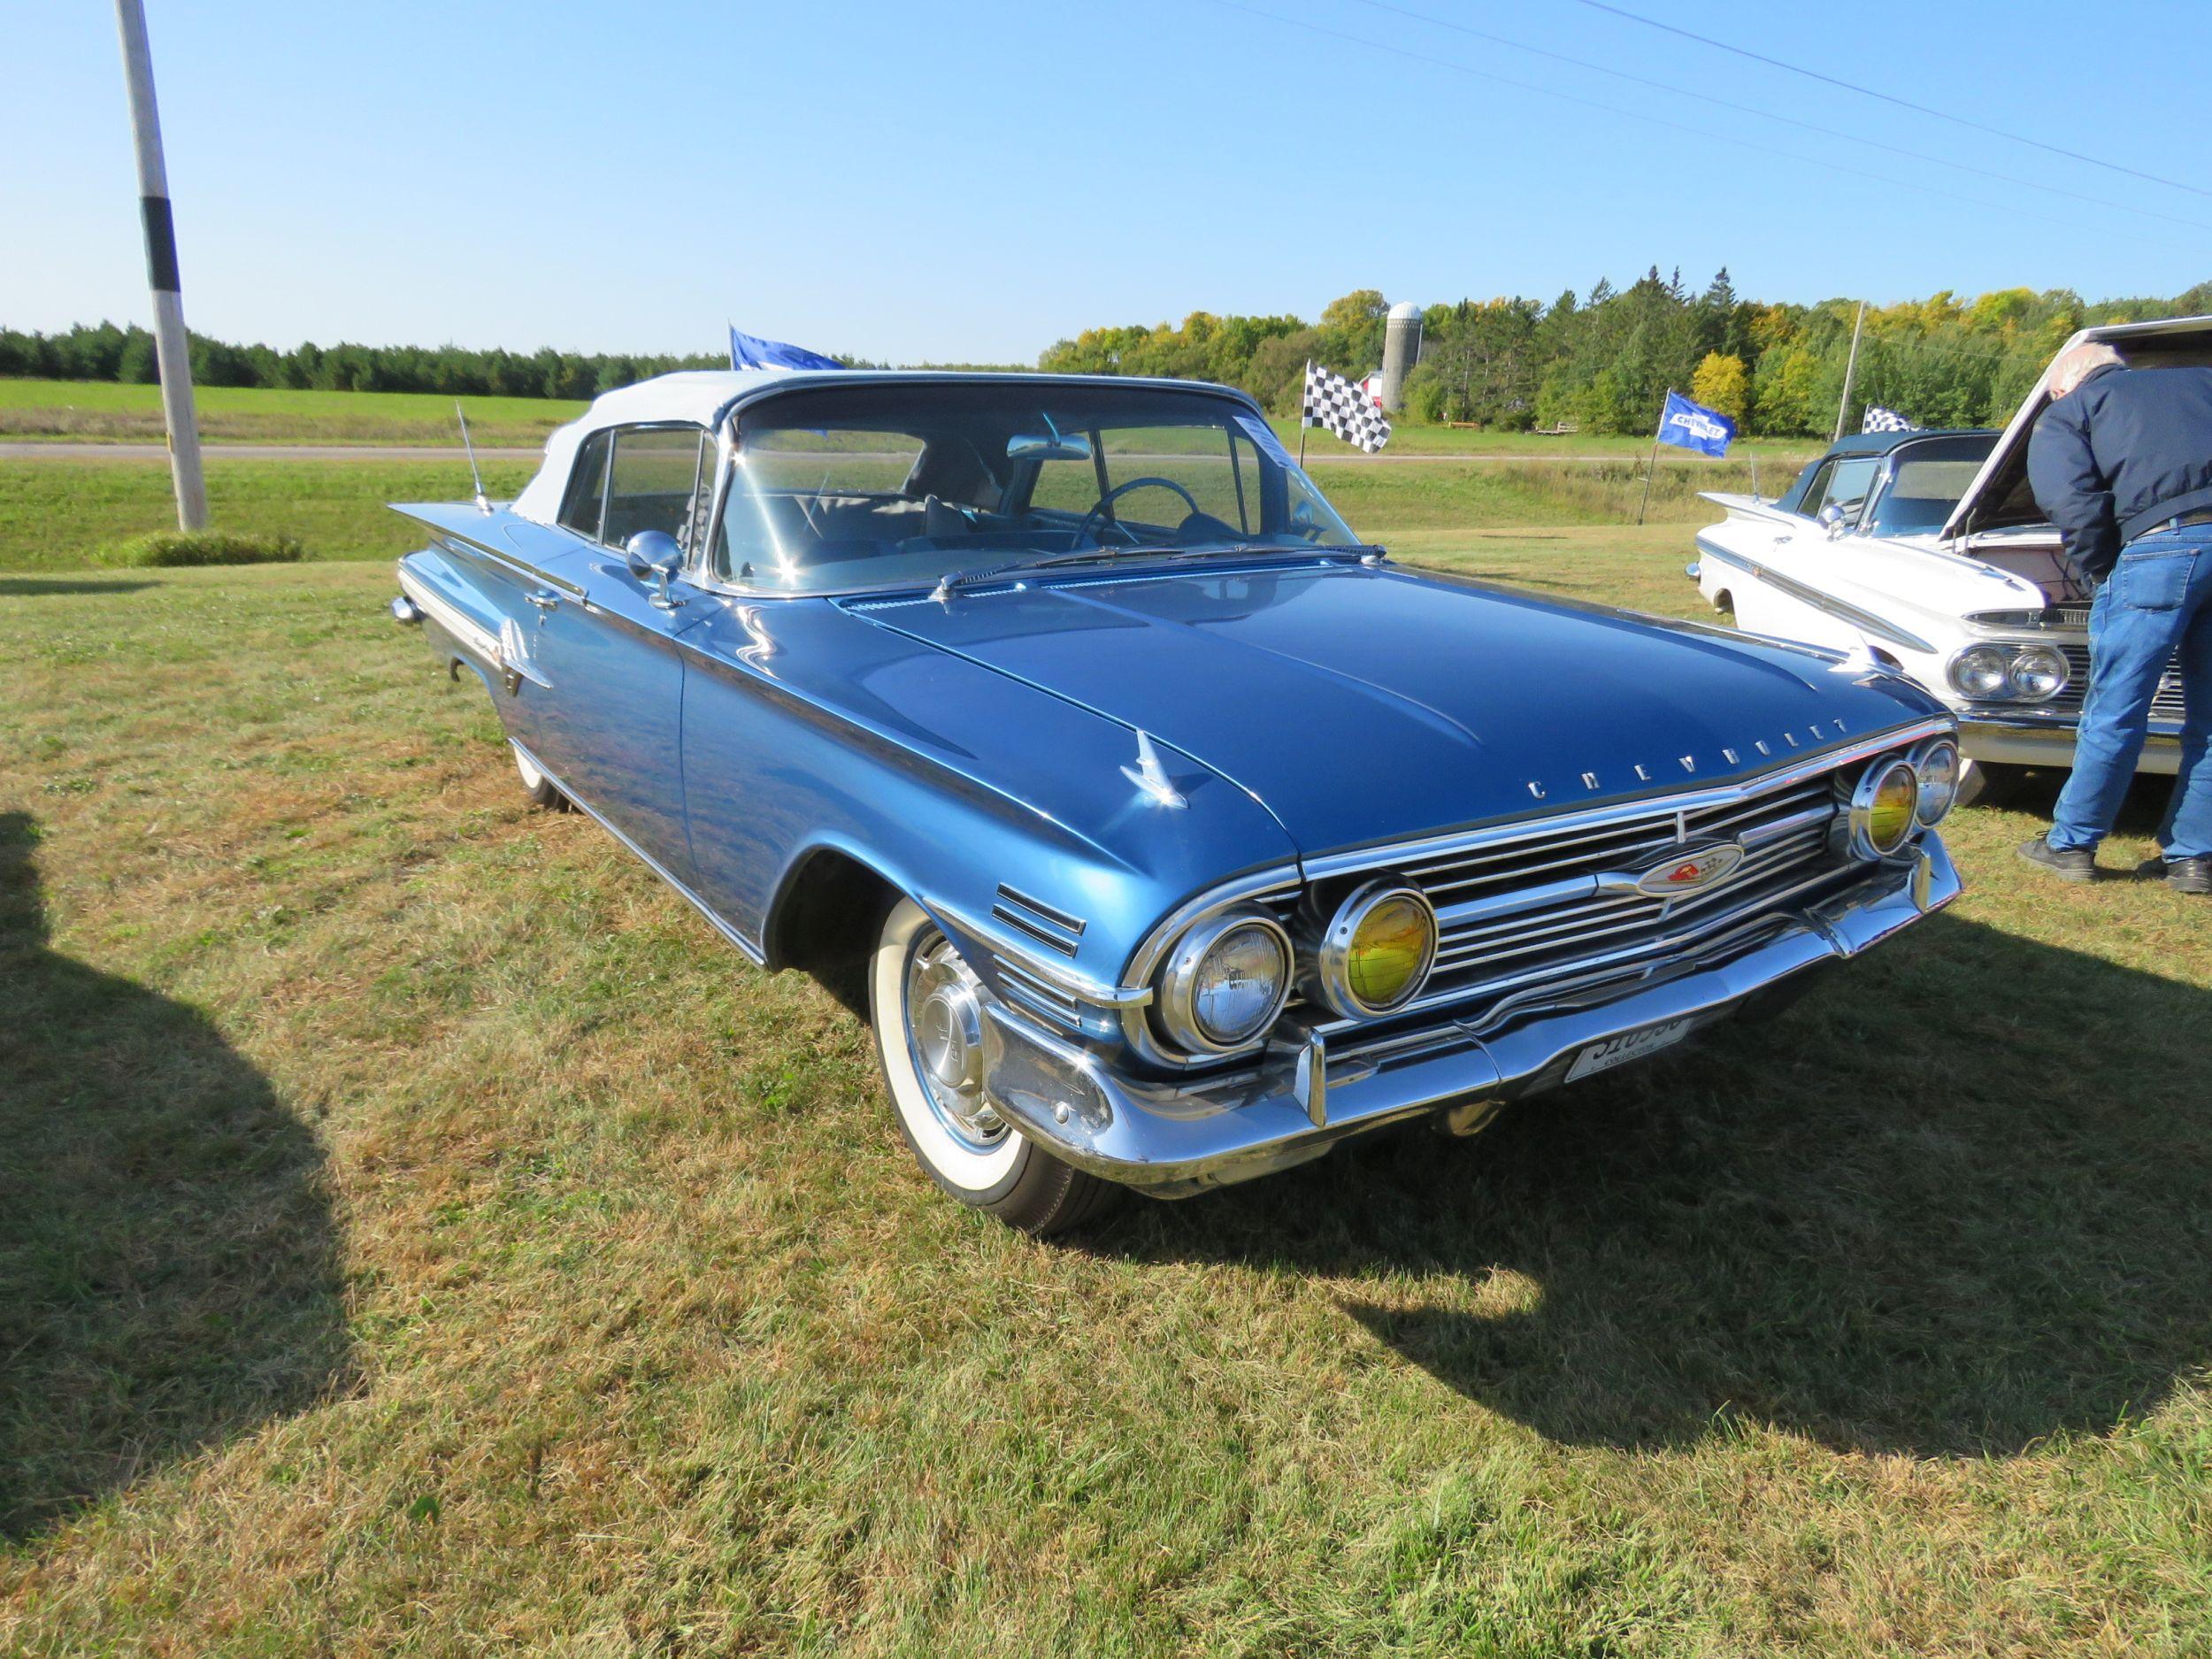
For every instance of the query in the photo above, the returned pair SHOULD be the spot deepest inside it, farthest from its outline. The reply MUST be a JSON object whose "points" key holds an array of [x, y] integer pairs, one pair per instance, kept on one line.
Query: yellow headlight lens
{"points": [[1896, 798], [1390, 950]]}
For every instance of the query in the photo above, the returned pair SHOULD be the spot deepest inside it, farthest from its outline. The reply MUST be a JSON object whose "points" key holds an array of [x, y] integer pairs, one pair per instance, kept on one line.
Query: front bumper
{"points": [[1172, 1138], [2036, 738]]}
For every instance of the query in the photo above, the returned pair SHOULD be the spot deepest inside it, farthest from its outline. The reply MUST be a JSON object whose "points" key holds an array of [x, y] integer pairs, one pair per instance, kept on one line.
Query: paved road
{"points": [[20, 450]]}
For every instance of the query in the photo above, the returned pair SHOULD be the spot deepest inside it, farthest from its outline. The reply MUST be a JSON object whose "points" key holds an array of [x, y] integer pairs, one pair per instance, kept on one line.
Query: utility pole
{"points": [[172, 349], [1850, 371]]}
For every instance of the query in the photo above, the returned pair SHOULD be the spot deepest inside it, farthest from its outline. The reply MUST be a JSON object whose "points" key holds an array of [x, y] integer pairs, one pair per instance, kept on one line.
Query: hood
{"points": [[1998, 498], [1363, 705]]}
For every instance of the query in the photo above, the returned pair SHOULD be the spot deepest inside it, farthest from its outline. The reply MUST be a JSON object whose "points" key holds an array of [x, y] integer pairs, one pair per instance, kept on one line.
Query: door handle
{"points": [[545, 598]]}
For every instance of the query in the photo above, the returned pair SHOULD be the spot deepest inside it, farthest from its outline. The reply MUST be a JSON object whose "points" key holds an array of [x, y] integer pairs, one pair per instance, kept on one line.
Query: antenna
{"points": [[482, 505]]}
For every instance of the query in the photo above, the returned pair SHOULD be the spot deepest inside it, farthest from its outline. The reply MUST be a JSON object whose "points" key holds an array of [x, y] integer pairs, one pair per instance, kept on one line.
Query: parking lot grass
{"points": [[423, 1234]]}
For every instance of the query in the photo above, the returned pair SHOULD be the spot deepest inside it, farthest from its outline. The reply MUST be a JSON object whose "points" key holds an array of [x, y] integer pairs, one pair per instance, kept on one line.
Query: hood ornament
{"points": [[1151, 778]]}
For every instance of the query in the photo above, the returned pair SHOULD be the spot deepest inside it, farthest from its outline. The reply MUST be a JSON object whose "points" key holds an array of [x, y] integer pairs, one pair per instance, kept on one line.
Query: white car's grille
{"points": [[2166, 705]]}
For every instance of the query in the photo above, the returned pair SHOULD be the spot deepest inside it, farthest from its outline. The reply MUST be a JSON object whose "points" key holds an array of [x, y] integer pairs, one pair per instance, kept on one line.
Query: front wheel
{"points": [[925, 1006]]}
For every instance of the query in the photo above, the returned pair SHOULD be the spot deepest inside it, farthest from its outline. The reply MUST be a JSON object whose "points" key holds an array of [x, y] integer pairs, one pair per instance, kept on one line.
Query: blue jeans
{"points": [[2157, 601]]}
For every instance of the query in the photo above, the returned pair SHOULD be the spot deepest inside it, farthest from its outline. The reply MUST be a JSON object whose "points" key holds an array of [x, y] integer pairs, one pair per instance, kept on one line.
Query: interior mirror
{"points": [[1042, 446], [655, 554]]}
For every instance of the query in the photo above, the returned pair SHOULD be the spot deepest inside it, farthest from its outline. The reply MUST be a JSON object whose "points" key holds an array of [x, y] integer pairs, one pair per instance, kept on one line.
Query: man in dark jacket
{"points": [[2121, 462]]}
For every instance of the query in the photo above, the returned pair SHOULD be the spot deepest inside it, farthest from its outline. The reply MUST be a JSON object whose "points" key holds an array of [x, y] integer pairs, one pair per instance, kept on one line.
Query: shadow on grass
{"points": [[169, 1273], [1956, 1202], [31, 586]]}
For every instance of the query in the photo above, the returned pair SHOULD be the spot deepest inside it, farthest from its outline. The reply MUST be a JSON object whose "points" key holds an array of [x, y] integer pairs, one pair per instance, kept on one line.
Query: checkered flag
{"points": [[1334, 403], [1880, 419]]}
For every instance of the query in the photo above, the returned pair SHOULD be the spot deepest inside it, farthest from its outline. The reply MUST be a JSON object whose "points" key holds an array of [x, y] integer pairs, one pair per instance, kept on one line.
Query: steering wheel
{"points": [[1105, 503]]}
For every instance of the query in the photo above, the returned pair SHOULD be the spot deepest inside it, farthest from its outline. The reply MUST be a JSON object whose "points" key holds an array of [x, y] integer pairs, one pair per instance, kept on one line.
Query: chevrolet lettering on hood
{"points": [[1174, 832]]}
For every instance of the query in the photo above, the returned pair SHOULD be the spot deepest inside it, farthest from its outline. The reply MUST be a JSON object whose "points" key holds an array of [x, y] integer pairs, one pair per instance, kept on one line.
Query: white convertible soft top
{"points": [[695, 396]]}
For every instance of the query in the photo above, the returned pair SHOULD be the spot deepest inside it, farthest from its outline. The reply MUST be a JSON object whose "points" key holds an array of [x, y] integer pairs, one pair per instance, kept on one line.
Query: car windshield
{"points": [[1925, 481], [880, 483]]}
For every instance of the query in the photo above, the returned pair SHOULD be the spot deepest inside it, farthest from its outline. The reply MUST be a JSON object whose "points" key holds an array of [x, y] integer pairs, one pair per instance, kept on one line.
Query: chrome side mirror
{"points": [[653, 553], [1831, 519]]}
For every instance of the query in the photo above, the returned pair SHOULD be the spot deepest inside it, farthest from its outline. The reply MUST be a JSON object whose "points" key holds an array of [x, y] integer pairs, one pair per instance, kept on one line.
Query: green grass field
{"points": [[422, 1235], [97, 412], [102, 411], [53, 514]]}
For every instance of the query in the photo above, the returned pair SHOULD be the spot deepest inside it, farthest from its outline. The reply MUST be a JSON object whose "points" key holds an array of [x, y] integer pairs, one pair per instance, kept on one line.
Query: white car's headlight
{"points": [[1982, 671], [1224, 982], [1936, 763], [2040, 673], [2017, 674]]}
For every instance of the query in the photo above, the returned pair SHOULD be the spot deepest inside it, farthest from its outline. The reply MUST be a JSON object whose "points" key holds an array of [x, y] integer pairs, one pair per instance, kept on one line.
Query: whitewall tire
{"points": [[535, 785], [926, 1009]]}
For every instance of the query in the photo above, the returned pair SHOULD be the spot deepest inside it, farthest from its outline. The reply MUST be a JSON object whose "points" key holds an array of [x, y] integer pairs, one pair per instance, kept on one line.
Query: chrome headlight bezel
{"points": [[1178, 982], [1923, 814], [1996, 661], [2057, 670], [1332, 978], [1860, 818]]}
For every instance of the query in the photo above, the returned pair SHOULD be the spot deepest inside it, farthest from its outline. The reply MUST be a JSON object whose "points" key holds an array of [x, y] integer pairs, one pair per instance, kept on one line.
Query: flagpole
{"points": [[1850, 371], [1305, 391], [1654, 466]]}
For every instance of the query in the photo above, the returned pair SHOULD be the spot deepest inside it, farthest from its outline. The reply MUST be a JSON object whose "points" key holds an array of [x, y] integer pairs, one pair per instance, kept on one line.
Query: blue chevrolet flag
{"points": [[1689, 425], [750, 351]]}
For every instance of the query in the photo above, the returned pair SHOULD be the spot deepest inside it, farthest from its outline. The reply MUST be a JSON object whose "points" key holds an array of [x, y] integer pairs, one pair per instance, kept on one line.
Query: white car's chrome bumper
{"points": [[1174, 1139], [2048, 739]]}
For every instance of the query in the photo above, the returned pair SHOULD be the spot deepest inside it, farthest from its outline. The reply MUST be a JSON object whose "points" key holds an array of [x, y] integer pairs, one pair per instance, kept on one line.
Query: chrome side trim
{"points": [[506, 561], [752, 951], [1865, 621], [465, 630], [1056, 975], [1538, 828]]}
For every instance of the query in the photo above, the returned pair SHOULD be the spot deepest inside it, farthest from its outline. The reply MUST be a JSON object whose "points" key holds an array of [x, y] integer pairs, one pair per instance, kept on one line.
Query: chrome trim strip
{"points": [[1722, 795], [1057, 975], [725, 929], [1866, 621], [514, 566], [1058, 917], [465, 630]]}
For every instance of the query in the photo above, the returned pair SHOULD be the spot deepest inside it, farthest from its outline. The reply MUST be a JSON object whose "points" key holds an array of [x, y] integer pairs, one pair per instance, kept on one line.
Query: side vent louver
{"points": [[1035, 919]]}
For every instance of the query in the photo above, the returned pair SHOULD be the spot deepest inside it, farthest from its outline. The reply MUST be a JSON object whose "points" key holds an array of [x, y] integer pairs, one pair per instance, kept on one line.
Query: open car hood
{"points": [[1360, 706], [1998, 498]]}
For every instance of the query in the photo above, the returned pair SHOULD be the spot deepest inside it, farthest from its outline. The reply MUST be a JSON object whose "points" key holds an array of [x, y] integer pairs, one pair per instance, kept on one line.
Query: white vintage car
{"points": [[1927, 550]]}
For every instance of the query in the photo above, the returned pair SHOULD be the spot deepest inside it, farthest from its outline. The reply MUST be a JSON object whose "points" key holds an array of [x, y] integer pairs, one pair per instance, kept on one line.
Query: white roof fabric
{"points": [[696, 395]]}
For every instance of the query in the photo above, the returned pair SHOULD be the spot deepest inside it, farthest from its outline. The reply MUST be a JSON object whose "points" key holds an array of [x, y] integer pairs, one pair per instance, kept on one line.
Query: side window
{"points": [[651, 480], [1842, 483], [587, 487]]}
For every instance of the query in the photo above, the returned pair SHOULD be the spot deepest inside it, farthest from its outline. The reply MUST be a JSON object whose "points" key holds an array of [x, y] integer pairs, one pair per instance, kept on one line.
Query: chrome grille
{"points": [[1532, 906], [2165, 705]]}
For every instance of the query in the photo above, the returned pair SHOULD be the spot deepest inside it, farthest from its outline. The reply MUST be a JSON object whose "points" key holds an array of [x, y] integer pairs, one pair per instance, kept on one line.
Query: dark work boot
{"points": [[2070, 864], [2183, 875]]}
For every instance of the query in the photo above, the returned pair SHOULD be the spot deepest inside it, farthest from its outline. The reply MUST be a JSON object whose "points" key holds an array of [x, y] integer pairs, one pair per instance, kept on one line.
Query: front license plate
{"points": [[1630, 1045]]}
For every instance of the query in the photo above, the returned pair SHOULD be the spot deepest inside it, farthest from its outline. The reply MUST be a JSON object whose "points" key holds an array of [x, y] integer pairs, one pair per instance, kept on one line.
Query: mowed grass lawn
{"points": [[421, 1234]]}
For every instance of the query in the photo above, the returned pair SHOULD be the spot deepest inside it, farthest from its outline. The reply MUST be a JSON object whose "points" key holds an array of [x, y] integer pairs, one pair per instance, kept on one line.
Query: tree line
{"points": [[1604, 360]]}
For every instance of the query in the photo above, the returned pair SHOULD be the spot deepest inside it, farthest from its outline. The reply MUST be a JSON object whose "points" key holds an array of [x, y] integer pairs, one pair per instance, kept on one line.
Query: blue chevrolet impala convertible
{"points": [[1174, 832]]}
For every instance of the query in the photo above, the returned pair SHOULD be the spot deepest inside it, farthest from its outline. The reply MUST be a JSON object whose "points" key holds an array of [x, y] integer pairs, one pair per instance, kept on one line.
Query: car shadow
{"points": [[169, 1265], [31, 586], [1957, 1201]]}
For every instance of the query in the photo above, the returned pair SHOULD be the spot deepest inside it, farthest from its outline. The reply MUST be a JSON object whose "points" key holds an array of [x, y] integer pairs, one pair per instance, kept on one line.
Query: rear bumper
{"points": [[1173, 1138], [2048, 739]]}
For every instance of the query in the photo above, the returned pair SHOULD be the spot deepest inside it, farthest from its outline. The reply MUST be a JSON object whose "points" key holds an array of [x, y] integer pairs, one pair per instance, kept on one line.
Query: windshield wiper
{"points": [[957, 582]]}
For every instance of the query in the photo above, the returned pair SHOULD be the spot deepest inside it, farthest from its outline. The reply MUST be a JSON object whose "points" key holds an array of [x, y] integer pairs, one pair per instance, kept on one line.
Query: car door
{"points": [[610, 719], [1804, 564]]}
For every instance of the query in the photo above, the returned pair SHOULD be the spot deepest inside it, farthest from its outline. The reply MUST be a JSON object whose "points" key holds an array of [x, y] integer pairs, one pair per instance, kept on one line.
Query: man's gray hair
{"points": [[2076, 364]]}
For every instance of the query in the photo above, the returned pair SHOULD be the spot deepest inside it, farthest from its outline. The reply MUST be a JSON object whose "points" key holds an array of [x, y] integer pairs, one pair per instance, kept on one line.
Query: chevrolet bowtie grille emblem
{"points": [[1690, 872]]}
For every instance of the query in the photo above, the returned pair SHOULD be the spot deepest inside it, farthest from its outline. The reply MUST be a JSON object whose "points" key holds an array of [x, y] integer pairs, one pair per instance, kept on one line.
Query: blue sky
{"points": [[974, 180]]}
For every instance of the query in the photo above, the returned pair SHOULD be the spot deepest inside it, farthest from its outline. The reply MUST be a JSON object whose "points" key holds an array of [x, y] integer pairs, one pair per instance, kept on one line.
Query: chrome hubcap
{"points": [[944, 1033]]}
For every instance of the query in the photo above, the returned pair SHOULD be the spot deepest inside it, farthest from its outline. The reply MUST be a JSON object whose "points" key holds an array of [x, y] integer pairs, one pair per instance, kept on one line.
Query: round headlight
{"points": [[1883, 808], [1224, 982], [2040, 673], [1936, 763], [1377, 950], [1982, 671]]}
